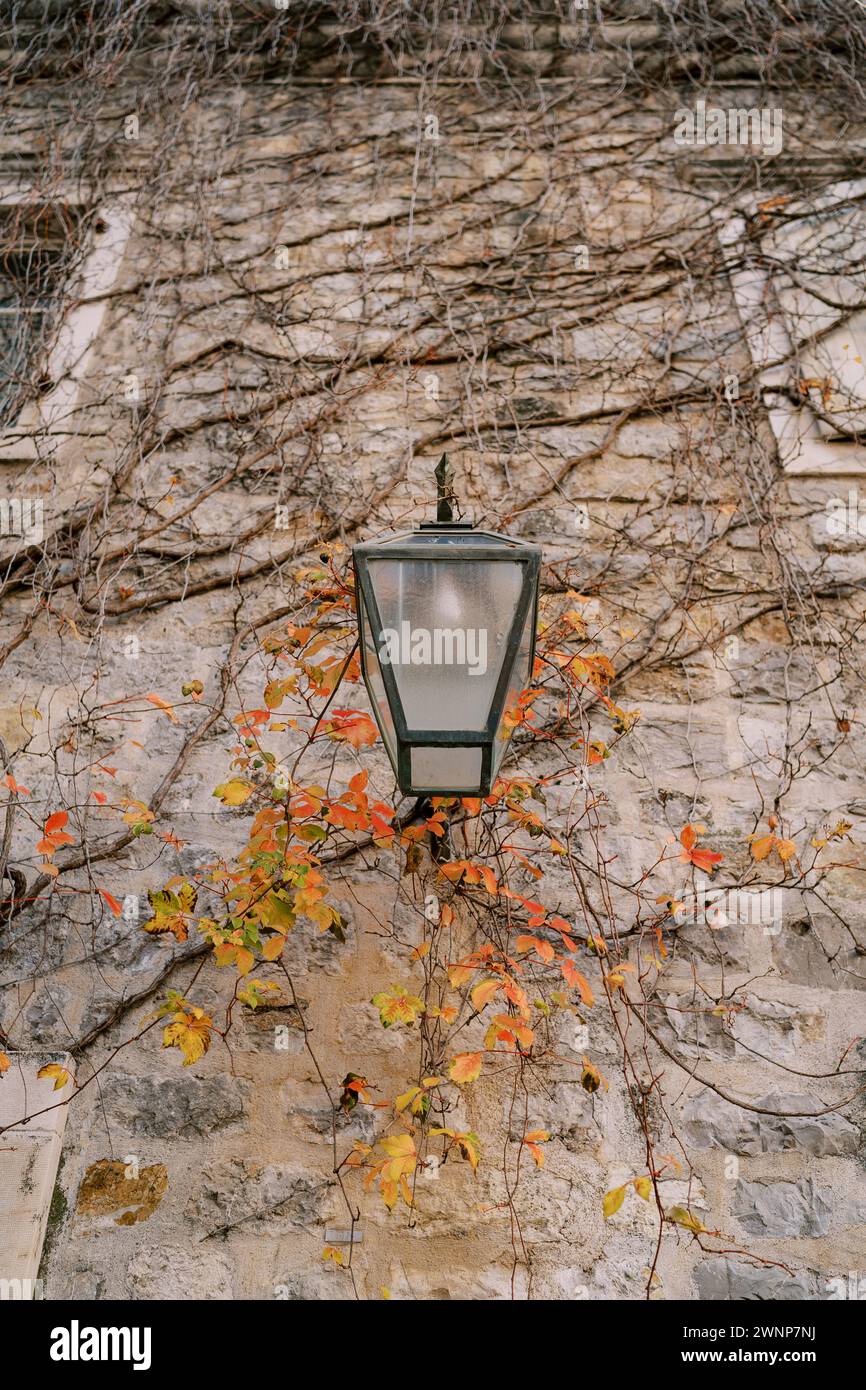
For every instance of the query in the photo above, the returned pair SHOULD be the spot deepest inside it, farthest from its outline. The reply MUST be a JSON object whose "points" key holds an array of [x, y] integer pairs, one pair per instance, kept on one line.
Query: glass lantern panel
{"points": [[520, 679], [457, 769], [377, 686], [445, 632]]}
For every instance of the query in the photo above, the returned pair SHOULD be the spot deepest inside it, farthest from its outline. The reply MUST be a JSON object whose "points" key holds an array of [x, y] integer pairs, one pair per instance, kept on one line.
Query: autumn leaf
{"points": [[613, 1200], [398, 1146], [393, 1172], [508, 1030], [255, 992], [191, 1032], [466, 1067], [15, 787], [533, 1141], [138, 816], [5, 1063], [53, 1071], [354, 1089], [351, 726], [397, 1006], [406, 1099], [482, 994], [115, 906], [471, 1146], [54, 834], [417, 1098], [164, 706], [233, 953], [234, 792], [459, 974], [681, 1216], [472, 875], [171, 910], [643, 1187], [468, 1143], [543, 949], [763, 845], [590, 1077], [839, 831], [705, 859], [577, 981]]}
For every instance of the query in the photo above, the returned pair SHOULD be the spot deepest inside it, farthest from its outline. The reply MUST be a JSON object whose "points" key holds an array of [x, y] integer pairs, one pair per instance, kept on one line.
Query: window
{"points": [[57, 267], [32, 247], [798, 271]]}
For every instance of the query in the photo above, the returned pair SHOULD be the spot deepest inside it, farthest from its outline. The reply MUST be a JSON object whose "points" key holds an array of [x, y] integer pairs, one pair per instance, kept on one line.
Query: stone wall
{"points": [[318, 284]]}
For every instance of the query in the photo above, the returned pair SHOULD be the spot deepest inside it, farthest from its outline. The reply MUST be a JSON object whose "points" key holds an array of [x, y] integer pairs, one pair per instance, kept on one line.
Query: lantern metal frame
{"points": [[403, 547]]}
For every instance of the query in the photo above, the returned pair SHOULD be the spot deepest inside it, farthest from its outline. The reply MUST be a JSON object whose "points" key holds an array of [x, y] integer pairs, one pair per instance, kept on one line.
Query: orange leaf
{"points": [[466, 1067], [163, 705], [484, 992], [578, 981], [115, 906]]}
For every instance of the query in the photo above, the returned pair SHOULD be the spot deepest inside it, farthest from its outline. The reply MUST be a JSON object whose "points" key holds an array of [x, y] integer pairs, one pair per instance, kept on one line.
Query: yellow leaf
{"points": [[483, 993], [245, 960], [471, 1146], [5, 1064], [54, 1072], [191, 1033], [682, 1217], [643, 1187], [396, 1006], [613, 1200], [785, 849], [235, 792], [459, 974], [407, 1097], [399, 1146]]}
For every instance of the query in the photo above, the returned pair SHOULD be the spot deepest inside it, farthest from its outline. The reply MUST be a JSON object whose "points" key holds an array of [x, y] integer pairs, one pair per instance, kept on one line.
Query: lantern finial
{"points": [[444, 476]]}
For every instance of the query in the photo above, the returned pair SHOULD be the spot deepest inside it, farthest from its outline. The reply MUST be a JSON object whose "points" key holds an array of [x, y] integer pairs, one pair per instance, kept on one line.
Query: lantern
{"points": [[447, 618]]}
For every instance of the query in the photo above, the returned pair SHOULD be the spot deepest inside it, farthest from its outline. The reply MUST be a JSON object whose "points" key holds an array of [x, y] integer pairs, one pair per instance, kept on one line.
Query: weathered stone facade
{"points": [[310, 263]]}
